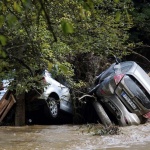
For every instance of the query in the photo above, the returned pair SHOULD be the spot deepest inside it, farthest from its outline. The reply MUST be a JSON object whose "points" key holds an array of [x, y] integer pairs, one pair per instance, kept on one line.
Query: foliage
{"points": [[141, 18], [27, 44], [49, 34]]}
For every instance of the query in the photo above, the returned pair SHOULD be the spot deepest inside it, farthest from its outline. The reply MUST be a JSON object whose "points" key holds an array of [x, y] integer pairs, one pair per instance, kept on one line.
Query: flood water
{"points": [[72, 137]]}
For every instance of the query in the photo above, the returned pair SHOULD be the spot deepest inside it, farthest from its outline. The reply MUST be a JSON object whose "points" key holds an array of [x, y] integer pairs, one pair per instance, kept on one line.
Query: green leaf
{"points": [[17, 7], [63, 68], [27, 3], [116, 1], [2, 53], [118, 16], [1, 5], [3, 40], [11, 19], [82, 12], [128, 16], [85, 6], [50, 66], [90, 3], [67, 27], [1, 20]]}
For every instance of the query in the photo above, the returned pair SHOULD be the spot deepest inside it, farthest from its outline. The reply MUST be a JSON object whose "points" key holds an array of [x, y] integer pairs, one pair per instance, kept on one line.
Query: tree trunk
{"points": [[20, 110]]}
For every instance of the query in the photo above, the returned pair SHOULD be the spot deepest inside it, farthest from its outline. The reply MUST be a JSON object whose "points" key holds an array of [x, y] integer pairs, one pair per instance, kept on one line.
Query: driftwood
{"points": [[6, 104]]}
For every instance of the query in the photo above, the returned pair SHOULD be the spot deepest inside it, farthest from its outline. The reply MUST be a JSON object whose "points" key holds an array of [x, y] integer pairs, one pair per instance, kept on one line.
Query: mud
{"points": [[72, 137]]}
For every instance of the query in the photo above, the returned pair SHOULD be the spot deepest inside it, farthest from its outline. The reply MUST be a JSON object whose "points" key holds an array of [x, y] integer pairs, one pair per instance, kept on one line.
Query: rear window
{"points": [[138, 90]]}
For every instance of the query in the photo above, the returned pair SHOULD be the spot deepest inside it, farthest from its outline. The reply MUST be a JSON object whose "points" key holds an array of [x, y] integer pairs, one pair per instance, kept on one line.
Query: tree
{"points": [[141, 18]]}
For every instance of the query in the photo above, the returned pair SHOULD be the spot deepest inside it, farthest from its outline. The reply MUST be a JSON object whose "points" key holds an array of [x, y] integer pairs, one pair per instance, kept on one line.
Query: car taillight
{"points": [[147, 115], [118, 78]]}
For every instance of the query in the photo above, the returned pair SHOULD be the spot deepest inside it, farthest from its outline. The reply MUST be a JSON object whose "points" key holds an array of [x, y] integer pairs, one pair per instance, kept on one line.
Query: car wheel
{"points": [[53, 106], [102, 114]]}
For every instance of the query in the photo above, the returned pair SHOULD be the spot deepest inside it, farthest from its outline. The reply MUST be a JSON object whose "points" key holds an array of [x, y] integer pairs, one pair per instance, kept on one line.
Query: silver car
{"points": [[124, 89], [56, 95]]}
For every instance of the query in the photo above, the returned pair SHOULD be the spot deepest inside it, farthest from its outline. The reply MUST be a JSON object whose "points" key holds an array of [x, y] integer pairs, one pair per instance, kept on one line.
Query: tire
{"points": [[102, 114], [53, 106]]}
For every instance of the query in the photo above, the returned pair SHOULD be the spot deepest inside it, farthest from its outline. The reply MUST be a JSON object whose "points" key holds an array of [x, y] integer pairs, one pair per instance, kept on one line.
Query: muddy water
{"points": [[72, 137]]}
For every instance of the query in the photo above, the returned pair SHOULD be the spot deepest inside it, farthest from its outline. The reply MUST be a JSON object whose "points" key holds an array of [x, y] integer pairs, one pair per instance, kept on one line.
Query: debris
{"points": [[6, 104]]}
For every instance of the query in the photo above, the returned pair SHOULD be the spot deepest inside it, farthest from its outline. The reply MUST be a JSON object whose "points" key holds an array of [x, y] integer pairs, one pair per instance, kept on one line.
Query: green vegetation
{"points": [[69, 38]]}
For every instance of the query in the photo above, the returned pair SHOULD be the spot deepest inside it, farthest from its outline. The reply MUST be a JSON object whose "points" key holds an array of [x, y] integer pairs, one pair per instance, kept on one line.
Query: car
{"points": [[124, 88], [56, 95]]}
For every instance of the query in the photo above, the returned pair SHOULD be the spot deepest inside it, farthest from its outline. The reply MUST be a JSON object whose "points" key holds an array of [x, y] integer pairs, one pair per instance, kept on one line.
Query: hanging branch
{"points": [[48, 21], [139, 55]]}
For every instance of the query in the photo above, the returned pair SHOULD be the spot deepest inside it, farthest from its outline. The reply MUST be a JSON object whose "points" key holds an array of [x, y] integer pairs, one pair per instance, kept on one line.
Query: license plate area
{"points": [[128, 100]]}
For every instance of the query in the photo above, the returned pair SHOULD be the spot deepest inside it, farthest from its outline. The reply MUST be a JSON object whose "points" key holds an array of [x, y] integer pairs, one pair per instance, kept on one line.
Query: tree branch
{"points": [[138, 55], [48, 21]]}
